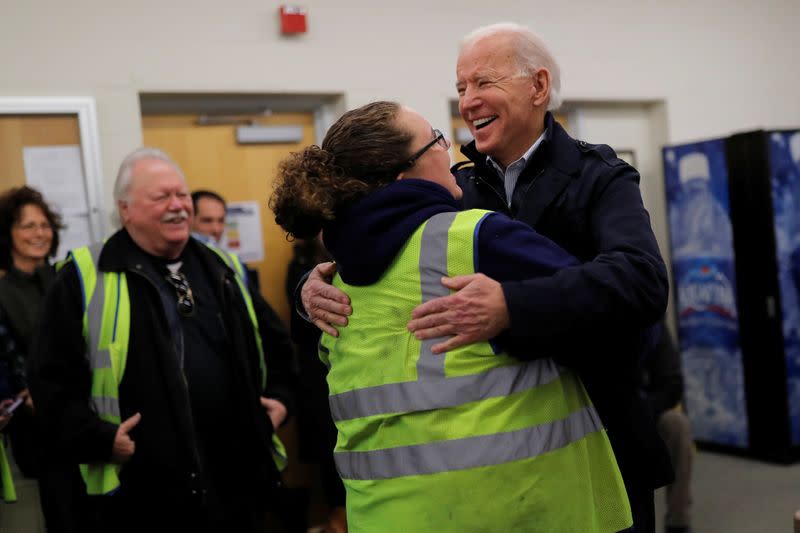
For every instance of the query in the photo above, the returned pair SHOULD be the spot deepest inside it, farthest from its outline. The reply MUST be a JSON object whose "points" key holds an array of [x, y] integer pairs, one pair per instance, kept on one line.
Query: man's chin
{"points": [[176, 230], [484, 146], [487, 133], [177, 237]]}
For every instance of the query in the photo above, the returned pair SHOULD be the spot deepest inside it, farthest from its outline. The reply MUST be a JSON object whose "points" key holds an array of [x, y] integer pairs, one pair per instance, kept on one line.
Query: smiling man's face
{"points": [[157, 209], [496, 99]]}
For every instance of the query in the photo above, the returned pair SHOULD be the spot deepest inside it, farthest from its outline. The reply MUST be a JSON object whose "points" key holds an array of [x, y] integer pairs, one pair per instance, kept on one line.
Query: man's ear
{"points": [[122, 208], [540, 91]]}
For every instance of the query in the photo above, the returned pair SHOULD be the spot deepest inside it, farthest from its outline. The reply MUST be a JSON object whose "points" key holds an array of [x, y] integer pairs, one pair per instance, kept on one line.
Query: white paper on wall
{"points": [[74, 235], [243, 231], [57, 172]]}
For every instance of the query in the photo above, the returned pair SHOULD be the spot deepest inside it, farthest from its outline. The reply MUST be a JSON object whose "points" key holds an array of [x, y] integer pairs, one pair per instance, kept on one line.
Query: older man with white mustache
{"points": [[150, 368]]}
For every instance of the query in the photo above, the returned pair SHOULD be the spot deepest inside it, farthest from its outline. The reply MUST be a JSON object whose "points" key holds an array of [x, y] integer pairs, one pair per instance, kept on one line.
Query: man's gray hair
{"points": [[123, 182], [532, 54]]}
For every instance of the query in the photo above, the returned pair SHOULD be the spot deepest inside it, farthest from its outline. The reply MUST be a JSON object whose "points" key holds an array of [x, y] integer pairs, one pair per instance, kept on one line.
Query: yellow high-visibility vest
{"points": [[106, 330], [7, 490], [471, 440]]}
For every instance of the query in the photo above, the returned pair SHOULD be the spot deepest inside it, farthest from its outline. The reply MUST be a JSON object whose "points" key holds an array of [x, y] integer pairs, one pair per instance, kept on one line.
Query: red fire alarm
{"points": [[293, 19]]}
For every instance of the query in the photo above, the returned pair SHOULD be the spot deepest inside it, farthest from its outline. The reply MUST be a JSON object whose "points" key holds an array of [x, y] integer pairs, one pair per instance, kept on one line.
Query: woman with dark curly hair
{"points": [[28, 240], [472, 440]]}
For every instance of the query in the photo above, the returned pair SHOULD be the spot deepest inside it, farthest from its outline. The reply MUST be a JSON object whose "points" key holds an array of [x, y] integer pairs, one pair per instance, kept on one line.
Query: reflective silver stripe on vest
{"points": [[99, 358], [94, 251], [470, 452], [106, 405], [439, 393], [432, 266]]}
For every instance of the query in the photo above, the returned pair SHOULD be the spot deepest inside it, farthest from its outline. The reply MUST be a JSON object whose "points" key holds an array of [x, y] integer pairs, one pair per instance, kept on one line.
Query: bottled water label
{"points": [[784, 151], [703, 268], [712, 359]]}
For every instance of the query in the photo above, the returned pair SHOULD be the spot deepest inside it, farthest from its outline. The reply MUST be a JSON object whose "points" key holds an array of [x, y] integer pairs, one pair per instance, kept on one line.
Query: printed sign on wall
{"points": [[243, 231]]}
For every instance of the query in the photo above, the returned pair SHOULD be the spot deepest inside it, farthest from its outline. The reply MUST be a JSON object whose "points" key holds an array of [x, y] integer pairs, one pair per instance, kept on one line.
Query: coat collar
{"points": [[550, 170], [121, 253], [557, 146]]}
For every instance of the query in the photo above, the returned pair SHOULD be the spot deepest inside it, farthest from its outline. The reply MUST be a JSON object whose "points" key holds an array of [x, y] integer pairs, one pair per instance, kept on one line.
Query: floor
{"points": [[736, 495], [23, 516], [731, 495]]}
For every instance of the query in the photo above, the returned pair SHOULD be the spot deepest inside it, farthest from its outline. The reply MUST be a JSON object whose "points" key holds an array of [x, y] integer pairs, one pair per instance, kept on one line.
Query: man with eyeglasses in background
{"points": [[149, 369], [596, 316]]}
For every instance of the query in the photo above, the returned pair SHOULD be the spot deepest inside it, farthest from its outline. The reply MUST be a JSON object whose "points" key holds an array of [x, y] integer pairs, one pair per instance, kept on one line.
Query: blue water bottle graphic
{"points": [[785, 163], [791, 211], [703, 263], [704, 227]]}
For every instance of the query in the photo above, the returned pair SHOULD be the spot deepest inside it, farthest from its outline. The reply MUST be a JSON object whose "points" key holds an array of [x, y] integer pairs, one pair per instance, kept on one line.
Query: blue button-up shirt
{"points": [[511, 174]]}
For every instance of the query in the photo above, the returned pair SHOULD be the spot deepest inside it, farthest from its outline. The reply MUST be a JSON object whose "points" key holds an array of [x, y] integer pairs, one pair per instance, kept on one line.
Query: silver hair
{"points": [[123, 182], [532, 54]]}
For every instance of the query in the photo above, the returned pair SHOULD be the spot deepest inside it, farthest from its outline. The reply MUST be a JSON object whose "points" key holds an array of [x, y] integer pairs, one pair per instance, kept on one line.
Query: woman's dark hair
{"points": [[11, 203], [363, 151]]}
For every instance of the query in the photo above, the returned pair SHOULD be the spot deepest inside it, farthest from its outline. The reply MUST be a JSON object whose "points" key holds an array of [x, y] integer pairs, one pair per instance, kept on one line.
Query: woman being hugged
{"points": [[469, 440]]}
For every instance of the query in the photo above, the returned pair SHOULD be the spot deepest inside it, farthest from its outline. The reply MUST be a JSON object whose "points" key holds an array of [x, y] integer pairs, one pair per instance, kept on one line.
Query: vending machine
{"points": [[734, 218]]}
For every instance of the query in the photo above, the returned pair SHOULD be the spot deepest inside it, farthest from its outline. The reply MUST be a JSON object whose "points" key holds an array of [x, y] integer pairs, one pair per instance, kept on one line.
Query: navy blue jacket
{"points": [[382, 223], [594, 315], [588, 201]]}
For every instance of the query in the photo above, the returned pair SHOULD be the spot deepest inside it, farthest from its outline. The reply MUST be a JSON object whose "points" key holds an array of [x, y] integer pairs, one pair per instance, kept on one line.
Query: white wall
{"points": [[642, 129], [719, 65]]}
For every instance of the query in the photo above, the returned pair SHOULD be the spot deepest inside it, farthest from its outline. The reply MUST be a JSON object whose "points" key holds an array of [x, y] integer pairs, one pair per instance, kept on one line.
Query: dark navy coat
{"points": [[595, 317]]}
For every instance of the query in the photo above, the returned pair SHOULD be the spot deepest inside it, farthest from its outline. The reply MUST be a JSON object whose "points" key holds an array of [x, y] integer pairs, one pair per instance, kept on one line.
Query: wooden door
{"points": [[211, 159], [457, 124], [19, 131]]}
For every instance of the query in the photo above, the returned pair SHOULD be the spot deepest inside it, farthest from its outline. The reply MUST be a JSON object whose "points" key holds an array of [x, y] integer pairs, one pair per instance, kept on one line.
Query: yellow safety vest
{"points": [[106, 330], [471, 440], [7, 490]]}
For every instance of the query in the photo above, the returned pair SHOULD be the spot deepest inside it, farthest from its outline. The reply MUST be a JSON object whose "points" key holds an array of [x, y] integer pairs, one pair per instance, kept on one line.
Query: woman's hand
{"points": [[26, 395], [5, 418]]}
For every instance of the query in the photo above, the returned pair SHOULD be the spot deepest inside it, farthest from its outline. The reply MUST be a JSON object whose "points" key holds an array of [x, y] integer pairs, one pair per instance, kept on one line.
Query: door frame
{"points": [[86, 111]]}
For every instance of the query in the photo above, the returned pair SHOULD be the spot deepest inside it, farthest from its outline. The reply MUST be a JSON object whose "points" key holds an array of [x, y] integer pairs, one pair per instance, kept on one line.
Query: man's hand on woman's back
{"points": [[326, 305]]}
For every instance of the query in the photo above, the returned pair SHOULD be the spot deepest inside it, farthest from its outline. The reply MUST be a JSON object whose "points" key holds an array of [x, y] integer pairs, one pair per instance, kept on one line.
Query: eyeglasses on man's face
{"points": [[183, 291], [438, 138]]}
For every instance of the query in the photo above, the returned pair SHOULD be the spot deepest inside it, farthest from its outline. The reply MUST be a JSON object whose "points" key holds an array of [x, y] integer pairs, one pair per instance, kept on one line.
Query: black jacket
{"points": [[21, 295], [661, 375], [594, 317], [165, 463]]}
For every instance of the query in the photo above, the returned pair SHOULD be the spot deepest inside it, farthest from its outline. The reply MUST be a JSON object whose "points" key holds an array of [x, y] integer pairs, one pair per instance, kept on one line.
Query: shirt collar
{"points": [[524, 159], [205, 239]]}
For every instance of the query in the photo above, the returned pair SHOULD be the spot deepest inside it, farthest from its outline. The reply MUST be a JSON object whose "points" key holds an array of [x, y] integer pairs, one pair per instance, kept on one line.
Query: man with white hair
{"points": [[150, 369], [594, 317]]}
